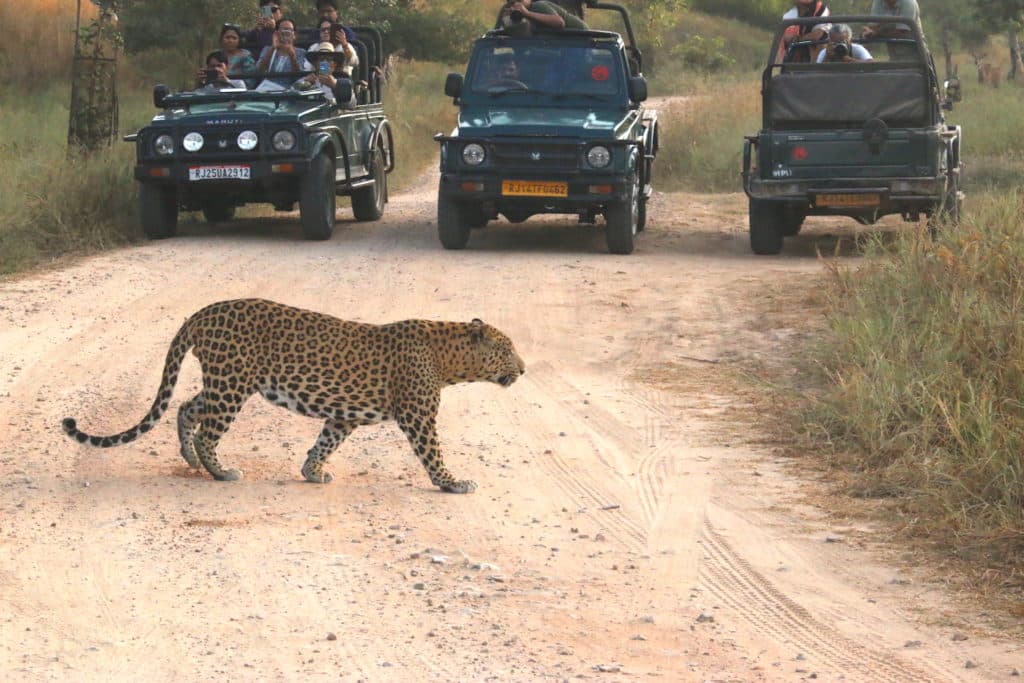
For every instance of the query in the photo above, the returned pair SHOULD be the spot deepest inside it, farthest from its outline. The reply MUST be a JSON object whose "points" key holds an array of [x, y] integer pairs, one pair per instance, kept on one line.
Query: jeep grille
{"points": [[537, 156]]}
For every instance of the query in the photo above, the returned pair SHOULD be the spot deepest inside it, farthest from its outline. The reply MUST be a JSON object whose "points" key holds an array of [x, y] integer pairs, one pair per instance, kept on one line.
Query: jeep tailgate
{"points": [[852, 153]]}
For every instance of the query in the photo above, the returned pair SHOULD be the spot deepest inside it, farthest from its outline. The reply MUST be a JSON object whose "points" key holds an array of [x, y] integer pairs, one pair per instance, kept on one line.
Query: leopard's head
{"points": [[485, 354]]}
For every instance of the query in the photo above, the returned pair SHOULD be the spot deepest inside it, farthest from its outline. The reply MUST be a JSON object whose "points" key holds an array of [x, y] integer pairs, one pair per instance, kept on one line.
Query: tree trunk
{"points": [[1016, 67], [947, 50]]}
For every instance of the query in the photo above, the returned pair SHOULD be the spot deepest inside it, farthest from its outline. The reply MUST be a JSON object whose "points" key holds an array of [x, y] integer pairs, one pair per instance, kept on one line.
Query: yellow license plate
{"points": [[842, 200], [528, 188]]}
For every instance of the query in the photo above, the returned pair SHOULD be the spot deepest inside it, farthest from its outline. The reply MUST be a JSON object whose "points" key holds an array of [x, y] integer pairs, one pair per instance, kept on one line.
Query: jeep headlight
{"points": [[193, 142], [283, 140], [598, 156], [164, 145], [473, 154], [247, 140]]}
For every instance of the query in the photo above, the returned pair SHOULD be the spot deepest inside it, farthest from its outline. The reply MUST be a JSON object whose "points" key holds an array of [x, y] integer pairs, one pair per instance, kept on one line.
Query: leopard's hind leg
{"points": [[188, 416], [218, 412], [331, 436]]}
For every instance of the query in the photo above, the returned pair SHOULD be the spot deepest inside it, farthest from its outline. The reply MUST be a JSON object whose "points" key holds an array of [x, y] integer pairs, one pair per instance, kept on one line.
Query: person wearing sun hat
{"points": [[321, 59]]}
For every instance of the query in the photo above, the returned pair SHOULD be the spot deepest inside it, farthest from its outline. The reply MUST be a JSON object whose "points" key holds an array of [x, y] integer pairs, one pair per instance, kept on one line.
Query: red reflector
{"points": [[472, 187], [799, 153], [160, 172], [282, 168], [600, 189]]}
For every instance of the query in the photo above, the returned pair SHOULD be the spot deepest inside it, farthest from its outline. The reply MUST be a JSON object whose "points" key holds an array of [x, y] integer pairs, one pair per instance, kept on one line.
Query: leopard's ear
{"points": [[476, 330]]}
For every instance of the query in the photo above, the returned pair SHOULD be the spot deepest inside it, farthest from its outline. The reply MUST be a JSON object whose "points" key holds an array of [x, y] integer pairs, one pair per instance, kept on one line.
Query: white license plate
{"points": [[219, 173]]}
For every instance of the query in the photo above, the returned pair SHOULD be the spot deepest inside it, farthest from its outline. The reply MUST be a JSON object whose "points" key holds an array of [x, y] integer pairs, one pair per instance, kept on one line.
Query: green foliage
{"points": [[926, 373], [703, 54], [763, 13], [993, 136]]}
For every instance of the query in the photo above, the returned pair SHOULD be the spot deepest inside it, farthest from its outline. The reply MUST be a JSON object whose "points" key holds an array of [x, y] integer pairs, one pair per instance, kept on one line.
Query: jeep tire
{"points": [[158, 211], [622, 219], [368, 202], [452, 225], [766, 230], [317, 201]]}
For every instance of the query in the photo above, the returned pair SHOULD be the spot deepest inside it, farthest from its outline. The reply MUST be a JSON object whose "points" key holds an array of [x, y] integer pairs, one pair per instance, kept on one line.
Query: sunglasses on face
{"points": [[275, 8], [231, 27], [286, 32]]}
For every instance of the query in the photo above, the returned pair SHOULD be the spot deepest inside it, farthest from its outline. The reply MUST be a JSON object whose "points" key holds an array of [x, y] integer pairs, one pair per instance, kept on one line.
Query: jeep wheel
{"points": [[218, 213], [158, 211], [368, 202], [317, 199], [622, 219], [452, 226], [765, 228]]}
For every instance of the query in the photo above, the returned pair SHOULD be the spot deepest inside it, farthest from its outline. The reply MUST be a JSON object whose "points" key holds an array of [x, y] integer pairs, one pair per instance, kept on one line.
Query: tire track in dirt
{"points": [[732, 580], [605, 433]]}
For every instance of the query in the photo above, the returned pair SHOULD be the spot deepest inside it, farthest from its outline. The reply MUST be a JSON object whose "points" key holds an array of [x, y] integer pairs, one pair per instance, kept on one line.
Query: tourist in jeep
{"points": [[522, 17], [840, 47], [334, 33], [281, 56], [214, 77], [321, 58], [262, 35], [240, 61], [803, 32], [328, 9]]}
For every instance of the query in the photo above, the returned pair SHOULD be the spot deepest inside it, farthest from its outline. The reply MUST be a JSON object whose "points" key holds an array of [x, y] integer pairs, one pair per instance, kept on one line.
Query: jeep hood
{"points": [[554, 121]]}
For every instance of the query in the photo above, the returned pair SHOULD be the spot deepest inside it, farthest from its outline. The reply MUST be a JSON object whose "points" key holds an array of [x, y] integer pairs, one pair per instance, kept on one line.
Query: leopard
{"points": [[343, 372]]}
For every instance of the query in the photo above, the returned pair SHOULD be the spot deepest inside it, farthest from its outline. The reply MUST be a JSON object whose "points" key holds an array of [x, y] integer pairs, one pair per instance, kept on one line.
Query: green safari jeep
{"points": [[215, 151], [551, 123], [851, 128]]}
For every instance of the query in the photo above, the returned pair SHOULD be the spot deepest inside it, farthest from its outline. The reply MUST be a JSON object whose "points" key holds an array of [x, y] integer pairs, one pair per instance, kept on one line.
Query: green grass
{"points": [[924, 370], [417, 108], [993, 144], [702, 134]]}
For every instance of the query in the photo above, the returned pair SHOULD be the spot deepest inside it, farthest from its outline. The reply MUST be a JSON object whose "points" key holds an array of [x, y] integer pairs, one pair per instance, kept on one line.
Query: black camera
{"points": [[212, 76], [515, 16], [840, 51]]}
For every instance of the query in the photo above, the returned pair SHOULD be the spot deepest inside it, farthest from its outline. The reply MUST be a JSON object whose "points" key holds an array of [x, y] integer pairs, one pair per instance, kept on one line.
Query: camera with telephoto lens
{"points": [[840, 51], [515, 16]]}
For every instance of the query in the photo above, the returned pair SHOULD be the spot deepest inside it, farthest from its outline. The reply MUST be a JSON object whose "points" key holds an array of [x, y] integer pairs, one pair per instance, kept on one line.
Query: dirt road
{"points": [[630, 523]]}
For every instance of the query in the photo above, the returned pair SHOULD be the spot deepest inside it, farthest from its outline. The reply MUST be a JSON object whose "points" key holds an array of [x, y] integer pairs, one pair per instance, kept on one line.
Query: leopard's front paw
{"points": [[462, 486]]}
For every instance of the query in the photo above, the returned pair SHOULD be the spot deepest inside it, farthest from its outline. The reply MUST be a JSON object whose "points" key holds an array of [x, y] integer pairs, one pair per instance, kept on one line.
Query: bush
{"points": [[926, 374]]}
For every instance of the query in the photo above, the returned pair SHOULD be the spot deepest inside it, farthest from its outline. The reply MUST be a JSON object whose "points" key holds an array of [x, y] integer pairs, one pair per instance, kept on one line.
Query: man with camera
{"points": [[840, 47], [214, 77], [522, 17], [328, 9]]}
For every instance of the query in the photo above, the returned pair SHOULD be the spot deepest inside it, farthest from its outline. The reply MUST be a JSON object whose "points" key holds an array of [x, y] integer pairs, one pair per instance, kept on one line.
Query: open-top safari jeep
{"points": [[862, 139], [549, 123], [214, 152]]}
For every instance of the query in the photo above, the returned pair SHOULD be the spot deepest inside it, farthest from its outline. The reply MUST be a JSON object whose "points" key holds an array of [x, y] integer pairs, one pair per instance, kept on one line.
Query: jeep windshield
{"points": [[558, 72]]}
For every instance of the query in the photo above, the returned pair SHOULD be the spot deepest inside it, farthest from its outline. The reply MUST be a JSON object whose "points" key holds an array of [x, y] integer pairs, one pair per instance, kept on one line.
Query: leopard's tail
{"points": [[172, 365]]}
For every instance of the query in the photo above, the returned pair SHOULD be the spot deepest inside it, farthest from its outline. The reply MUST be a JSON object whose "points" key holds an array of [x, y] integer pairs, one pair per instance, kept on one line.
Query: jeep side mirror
{"points": [[637, 88], [160, 93], [343, 91], [453, 85], [952, 88]]}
